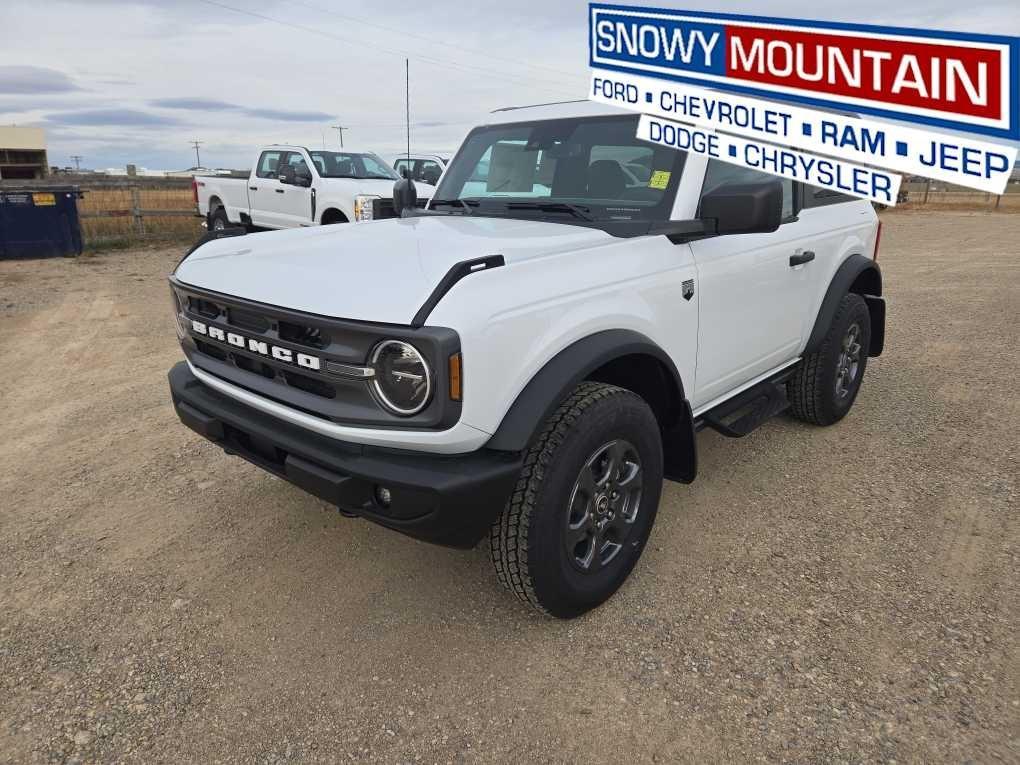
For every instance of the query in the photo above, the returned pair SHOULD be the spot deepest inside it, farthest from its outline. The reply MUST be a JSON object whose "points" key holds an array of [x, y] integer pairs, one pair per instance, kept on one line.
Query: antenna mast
{"points": [[407, 102]]}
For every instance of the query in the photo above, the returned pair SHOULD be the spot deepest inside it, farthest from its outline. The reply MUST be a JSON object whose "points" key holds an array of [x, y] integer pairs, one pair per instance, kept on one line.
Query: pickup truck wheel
{"points": [[584, 504], [825, 383], [218, 221]]}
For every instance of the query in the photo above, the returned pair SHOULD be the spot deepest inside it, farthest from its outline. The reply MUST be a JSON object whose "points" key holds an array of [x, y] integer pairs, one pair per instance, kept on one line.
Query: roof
{"points": [[554, 111], [585, 108], [23, 138], [310, 149]]}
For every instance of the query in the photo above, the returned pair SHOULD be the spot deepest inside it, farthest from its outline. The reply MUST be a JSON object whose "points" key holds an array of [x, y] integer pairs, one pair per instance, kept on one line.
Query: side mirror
{"points": [[748, 208], [303, 179], [287, 175], [405, 196]]}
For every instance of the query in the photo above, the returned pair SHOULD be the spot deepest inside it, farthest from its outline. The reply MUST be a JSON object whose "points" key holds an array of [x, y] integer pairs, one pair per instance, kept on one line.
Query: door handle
{"points": [[253, 188], [801, 258], [281, 191]]}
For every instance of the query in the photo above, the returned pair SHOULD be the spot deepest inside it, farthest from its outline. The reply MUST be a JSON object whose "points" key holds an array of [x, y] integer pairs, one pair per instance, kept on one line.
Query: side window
{"points": [[818, 197], [295, 160], [401, 165], [721, 174], [269, 164], [429, 171]]}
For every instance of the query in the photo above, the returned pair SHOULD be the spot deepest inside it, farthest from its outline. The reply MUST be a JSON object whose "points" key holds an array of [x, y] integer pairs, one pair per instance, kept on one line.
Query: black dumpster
{"points": [[39, 222]]}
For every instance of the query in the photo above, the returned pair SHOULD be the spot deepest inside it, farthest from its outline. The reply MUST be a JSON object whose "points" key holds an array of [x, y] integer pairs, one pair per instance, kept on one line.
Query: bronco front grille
{"points": [[312, 364]]}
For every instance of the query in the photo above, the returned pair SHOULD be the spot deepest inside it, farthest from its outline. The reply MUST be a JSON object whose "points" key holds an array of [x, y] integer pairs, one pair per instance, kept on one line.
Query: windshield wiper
{"points": [[584, 213], [464, 203]]}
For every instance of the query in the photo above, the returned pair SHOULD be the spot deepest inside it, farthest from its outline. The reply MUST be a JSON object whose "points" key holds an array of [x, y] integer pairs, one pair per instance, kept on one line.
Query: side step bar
{"points": [[746, 411]]}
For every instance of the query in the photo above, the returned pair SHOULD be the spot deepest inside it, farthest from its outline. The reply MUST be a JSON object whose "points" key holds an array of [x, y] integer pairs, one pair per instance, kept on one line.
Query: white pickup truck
{"points": [[529, 357], [291, 186]]}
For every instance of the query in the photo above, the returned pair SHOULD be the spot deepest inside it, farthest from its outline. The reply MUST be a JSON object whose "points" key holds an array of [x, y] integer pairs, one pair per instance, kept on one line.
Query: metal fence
{"points": [[936, 194], [117, 212]]}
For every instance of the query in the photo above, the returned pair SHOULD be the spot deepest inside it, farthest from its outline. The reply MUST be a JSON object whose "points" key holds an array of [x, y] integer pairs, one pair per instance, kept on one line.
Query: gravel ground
{"points": [[839, 595]]}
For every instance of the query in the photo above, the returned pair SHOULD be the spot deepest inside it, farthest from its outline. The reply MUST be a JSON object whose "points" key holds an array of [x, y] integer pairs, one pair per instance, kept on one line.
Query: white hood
{"points": [[381, 271]]}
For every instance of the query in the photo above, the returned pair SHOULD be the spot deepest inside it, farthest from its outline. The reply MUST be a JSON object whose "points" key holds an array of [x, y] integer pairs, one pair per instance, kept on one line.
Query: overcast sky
{"points": [[120, 81]]}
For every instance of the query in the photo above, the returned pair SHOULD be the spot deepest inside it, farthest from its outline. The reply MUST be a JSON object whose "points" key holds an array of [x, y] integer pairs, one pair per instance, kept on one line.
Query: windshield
{"points": [[338, 164], [590, 169]]}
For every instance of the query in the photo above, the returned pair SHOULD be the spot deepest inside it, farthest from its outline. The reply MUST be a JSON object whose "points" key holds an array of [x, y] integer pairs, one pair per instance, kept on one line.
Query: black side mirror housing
{"points": [[287, 175], [302, 179], [747, 208], [405, 196]]}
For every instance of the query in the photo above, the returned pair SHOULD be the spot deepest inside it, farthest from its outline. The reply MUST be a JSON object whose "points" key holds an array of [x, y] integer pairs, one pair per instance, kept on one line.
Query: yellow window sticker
{"points": [[44, 200], [660, 179]]}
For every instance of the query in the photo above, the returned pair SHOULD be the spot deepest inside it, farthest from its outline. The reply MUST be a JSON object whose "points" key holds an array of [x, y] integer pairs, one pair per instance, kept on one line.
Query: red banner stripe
{"points": [[950, 78]]}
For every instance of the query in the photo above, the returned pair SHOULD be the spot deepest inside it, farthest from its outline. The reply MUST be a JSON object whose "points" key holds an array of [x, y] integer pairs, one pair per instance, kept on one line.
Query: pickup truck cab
{"points": [[292, 187], [527, 359]]}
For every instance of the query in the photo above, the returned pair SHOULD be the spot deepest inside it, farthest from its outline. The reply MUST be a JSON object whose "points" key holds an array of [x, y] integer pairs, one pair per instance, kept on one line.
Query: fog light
{"points": [[383, 496]]}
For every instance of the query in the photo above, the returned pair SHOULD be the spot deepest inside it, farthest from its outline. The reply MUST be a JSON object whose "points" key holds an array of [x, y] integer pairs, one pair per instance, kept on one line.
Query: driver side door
{"points": [[294, 206], [751, 298], [265, 190]]}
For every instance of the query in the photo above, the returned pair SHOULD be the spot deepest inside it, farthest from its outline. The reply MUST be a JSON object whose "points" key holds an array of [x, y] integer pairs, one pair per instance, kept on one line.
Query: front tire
{"points": [[584, 504], [826, 383]]}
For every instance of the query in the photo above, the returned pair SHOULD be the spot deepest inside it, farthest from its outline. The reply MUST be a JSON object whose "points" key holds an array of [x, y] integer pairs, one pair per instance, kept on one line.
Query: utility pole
{"points": [[340, 129], [198, 159], [77, 158], [407, 102]]}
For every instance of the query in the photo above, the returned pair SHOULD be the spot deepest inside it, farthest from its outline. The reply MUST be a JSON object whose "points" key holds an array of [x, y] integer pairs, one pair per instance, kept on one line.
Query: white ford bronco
{"points": [[530, 356]]}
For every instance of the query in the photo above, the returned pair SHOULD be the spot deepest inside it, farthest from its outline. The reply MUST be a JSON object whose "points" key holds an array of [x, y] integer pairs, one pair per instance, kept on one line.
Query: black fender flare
{"points": [[567, 369], [211, 236], [853, 269]]}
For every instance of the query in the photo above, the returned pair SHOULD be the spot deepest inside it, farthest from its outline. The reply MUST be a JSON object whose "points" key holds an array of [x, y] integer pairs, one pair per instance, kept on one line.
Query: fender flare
{"points": [[564, 372], [849, 272], [331, 204]]}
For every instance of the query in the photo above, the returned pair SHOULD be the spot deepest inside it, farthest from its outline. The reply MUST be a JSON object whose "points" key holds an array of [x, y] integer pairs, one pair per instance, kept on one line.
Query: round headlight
{"points": [[402, 379]]}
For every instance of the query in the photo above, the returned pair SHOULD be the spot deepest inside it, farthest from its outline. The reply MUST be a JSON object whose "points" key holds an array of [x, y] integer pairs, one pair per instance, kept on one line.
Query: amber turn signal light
{"points": [[455, 378]]}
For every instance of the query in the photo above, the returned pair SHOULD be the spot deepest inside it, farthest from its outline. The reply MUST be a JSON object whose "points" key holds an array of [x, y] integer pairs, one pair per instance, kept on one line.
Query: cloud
{"points": [[107, 117], [284, 115], [195, 104], [214, 105], [32, 80]]}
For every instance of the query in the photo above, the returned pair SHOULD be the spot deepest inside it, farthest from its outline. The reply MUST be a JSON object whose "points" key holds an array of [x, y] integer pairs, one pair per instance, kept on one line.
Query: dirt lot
{"points": [[840, 595]]}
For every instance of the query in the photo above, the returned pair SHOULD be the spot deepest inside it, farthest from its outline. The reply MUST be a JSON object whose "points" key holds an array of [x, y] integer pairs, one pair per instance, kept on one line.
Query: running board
{"points": [[745, 412]]}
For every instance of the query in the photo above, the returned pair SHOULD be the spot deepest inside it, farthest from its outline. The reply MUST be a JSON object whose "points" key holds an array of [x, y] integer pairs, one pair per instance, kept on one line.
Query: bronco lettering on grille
{"points": [[260, 347]]}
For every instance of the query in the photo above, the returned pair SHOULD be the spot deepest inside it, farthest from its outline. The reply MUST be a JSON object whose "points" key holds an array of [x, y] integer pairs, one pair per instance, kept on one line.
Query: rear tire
{"points": [[584, 504], [218, 220], [825, 384]]}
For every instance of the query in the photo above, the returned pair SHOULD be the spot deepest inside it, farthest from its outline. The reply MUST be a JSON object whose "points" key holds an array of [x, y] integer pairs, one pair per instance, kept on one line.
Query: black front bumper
{"points": [[444, 499]]}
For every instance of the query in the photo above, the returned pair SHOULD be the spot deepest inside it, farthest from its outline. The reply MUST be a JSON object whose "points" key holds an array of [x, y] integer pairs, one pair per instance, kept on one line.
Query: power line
{"points": [[198, 159], [432, 41], [378, 48]]}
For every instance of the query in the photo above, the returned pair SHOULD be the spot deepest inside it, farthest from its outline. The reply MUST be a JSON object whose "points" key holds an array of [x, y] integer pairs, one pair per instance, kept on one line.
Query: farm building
{"points": [[23, 153]]}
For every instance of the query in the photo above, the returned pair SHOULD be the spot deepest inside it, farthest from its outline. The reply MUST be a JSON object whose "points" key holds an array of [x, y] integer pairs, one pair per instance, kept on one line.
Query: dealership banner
{"points": [[774, 94], [958, 81], [845, 177], [971, 162]]}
